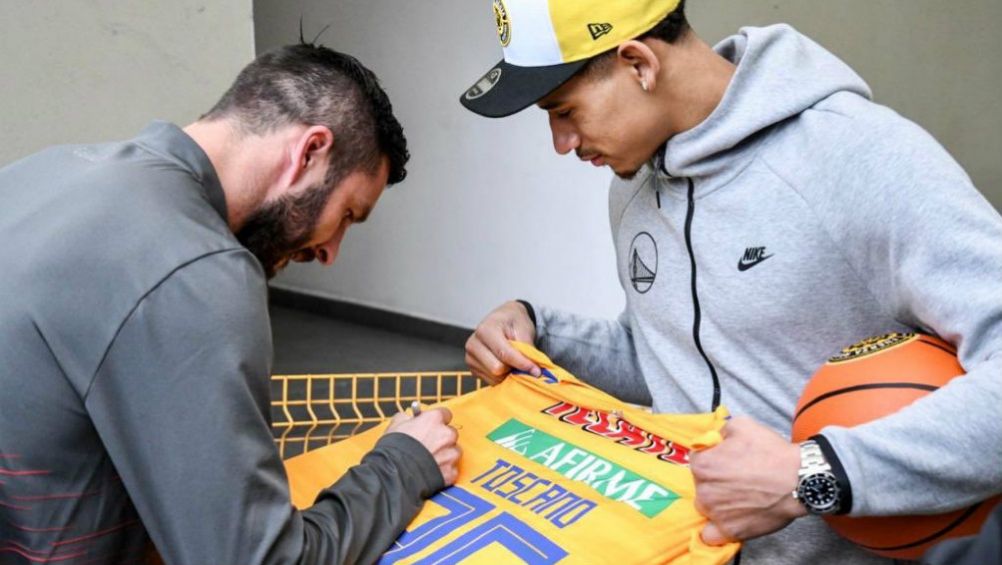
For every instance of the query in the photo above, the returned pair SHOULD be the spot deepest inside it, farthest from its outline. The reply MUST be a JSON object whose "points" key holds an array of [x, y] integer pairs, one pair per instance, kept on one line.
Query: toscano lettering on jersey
{"points": [[554, 471]]}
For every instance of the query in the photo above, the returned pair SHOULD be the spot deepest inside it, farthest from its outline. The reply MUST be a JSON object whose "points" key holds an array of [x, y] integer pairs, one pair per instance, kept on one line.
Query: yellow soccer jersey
{"points": [[553, 471]]}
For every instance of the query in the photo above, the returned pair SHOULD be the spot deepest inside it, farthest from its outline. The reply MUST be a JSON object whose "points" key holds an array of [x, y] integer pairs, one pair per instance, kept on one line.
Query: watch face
{"points": [[819, 492]]}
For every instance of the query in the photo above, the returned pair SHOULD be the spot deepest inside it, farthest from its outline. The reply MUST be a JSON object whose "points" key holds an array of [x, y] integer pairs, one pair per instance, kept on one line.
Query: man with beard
{"points": [[134, 336], [766, 213]]}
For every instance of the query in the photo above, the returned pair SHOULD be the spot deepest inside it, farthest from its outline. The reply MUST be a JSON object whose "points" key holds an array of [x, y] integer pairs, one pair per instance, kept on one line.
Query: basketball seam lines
{"points": [[967, 514], [938, 346], [862, 387]]}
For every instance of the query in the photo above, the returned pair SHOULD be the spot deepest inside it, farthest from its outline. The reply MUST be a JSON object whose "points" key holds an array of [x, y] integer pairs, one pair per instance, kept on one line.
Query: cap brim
{"points": [[507, 89]]}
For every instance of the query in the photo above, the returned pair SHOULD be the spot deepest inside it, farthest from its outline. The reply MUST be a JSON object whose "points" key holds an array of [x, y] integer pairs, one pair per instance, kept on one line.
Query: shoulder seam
{"points": [[830, 111], [128, 316], [828, 234], [640, 187], [55, 358]]}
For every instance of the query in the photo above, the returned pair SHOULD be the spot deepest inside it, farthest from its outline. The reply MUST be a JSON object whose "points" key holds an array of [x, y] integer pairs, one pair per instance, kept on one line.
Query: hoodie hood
{"points": [[780, 73]]}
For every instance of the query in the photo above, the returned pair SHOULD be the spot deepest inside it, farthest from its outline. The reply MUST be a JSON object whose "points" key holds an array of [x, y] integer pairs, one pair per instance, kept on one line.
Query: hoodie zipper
{"points": [[697, 315]]}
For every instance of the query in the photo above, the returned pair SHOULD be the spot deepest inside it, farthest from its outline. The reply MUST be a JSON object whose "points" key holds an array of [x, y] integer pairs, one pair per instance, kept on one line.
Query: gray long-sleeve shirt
{"points": [[798, 218], [135, 354]]}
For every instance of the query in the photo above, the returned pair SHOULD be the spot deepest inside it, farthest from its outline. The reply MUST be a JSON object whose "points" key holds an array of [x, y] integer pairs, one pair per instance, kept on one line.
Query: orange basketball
{"points": [[869, 380]]}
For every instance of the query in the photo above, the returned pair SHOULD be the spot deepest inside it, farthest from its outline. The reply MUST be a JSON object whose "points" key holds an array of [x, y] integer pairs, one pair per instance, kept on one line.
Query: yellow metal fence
{"points": [[311, 411]]}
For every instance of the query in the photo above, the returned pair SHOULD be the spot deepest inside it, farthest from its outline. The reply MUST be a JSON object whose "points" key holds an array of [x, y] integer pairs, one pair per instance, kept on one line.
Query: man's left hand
{"points": [[744, 484]]}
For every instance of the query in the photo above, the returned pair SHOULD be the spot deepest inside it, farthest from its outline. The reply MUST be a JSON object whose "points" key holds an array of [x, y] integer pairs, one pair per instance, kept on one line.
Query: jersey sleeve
{"points": [[181, 404]]}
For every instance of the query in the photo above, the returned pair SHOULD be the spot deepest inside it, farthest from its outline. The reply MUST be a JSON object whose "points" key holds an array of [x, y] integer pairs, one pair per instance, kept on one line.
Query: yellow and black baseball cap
{"points": [[546, 41]]}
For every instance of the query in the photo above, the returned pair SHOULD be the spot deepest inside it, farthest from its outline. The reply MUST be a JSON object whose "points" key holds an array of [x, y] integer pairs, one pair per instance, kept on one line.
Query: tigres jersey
{"points": [[553, 471]]}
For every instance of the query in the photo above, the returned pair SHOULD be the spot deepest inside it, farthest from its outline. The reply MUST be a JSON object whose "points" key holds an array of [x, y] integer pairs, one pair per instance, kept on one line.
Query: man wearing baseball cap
{"points": [[766, 213]]}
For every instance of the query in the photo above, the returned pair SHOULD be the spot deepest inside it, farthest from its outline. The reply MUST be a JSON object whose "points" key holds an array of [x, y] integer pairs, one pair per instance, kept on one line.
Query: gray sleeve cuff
{"points": [[529, 310], [845, 502], [413, 458]]}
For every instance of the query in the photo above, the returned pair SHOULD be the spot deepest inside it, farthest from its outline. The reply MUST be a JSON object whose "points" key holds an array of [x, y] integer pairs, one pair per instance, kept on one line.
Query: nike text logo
{"points": [[753, 256]]}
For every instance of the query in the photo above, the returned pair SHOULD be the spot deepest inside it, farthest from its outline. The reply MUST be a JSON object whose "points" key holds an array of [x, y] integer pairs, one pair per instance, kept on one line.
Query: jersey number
{"points": [[463, 507]]}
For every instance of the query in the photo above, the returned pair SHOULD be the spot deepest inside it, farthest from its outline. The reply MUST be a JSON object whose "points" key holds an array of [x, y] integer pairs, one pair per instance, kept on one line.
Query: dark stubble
{"points": [[278, 230]]}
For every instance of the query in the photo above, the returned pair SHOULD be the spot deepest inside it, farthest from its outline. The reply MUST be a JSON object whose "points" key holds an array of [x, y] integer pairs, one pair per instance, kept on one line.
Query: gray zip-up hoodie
{"points": [[798, 218]]}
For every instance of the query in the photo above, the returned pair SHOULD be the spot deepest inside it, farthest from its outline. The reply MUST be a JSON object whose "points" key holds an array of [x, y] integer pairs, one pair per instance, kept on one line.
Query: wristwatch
{"points": [[818, 488]]}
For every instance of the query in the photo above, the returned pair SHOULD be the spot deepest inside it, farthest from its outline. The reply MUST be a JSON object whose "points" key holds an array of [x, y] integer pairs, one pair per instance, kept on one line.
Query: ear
{"points": [[311, 152], [640, 61]]}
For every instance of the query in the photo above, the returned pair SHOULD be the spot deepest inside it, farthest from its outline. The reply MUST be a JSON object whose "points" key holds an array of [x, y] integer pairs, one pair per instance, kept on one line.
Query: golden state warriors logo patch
{"points": [[642, 262], [871, 345], [503, 22]]}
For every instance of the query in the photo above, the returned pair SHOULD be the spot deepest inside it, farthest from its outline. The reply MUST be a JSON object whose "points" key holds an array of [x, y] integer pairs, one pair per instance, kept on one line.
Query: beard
{"points": [[278, 230]]}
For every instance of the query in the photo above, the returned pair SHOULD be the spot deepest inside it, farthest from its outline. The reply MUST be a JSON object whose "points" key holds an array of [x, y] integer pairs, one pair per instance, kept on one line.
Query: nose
{"points": [[327, 252], [565, 139]]}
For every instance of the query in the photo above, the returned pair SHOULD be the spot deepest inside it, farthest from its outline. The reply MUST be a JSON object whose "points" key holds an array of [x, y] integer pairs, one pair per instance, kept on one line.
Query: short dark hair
{"points": [[670, 29], [315, 85]]}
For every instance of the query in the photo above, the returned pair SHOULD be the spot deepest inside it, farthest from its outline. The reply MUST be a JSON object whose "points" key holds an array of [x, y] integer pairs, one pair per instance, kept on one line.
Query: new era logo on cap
{"points": [[545, 42], [598, 30]]}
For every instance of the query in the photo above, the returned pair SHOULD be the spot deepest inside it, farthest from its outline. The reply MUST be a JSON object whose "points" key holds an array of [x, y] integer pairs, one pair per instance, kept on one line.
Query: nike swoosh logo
{"points": [[742, 266]]}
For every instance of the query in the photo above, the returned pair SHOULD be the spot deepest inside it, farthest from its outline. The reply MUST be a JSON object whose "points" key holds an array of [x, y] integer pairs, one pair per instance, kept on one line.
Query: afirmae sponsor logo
{"points": [[621, 431], [606, 477]]}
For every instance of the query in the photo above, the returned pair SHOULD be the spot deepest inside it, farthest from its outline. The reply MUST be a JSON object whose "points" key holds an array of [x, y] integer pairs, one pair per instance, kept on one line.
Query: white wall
{"points": [[94, 70], [934, 62], [489, 212]]}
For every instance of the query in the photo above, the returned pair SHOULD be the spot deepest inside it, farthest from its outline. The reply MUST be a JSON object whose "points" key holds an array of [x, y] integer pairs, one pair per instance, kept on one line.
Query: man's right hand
{"points": [[488, 352], [431, 428]]}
